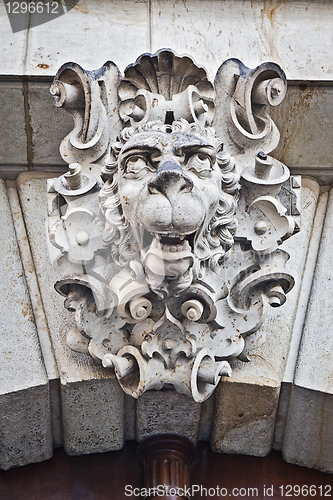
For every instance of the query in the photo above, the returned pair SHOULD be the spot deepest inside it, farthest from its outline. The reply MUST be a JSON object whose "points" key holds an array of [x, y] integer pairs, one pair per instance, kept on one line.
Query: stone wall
{"points": [[53, 397], [296, 35]]}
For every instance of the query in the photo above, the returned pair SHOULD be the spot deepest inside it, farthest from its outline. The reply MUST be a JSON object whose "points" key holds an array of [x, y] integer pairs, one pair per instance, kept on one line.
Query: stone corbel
{"points": [[171, 258]]}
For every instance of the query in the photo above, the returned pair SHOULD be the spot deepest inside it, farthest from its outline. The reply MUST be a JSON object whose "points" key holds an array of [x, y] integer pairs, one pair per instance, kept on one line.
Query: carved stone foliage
{"points": [[169, 223]]}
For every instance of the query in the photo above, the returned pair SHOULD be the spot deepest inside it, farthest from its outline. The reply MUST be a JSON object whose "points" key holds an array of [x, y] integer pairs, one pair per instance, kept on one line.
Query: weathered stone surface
{"points": [[48, 128], [100, 27], [13, 45], [171, 308], [305, 145], [315, 360], [93, 416], [244, 416], [80, 379], [299, 319], [309, 432], [25, 428], [38, 312], [167, 412], [206, 417], [25, 425], [130, 415], [279, 326], [288, 33], [253, 431], [13, 140], [281, 415], [308, 436]]}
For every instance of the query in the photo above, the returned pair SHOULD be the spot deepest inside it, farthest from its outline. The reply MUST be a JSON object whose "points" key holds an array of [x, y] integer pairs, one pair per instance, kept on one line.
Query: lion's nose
{"points": [[169, 180]]}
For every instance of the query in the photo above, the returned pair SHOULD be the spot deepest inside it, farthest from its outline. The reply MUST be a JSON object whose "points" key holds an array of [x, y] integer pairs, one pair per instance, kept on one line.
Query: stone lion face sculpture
{"points": [[170, 257], [168, 182]]}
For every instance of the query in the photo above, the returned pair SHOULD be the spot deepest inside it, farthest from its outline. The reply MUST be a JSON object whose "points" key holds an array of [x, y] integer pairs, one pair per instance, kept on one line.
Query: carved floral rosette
{"points": [[169, 222]]}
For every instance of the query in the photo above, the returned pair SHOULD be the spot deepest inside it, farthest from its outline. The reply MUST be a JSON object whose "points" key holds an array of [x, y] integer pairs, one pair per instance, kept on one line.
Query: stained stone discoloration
{"points": [[288, 33], [46, 129], [25, 427]]}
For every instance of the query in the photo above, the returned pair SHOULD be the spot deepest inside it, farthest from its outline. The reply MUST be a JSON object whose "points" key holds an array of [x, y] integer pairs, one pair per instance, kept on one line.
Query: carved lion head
{"points": [[170, 200]]}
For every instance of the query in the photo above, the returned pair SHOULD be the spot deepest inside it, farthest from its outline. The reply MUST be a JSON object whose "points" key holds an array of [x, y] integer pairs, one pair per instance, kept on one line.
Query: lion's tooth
{"points": [[173, 248], [179, 248]]}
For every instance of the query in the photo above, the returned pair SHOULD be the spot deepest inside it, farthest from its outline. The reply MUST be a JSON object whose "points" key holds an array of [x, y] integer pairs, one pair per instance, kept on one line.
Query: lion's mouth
{"points": [[172, 247], [168, 242], [168, 253]]}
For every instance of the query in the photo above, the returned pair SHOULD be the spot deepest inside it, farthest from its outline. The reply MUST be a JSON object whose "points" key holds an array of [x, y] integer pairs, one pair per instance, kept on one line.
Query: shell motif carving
{"points": [[167, 88], [170, 220]]}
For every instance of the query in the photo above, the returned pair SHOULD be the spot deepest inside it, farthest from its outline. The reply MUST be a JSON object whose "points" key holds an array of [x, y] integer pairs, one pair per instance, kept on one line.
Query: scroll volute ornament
{"points": [[242, 97], [168, 230], [88, 96]]}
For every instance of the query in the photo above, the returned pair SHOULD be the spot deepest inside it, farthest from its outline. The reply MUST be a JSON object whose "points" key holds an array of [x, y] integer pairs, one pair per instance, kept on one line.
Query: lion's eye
{"points": [[200, 163], [135, 164]]}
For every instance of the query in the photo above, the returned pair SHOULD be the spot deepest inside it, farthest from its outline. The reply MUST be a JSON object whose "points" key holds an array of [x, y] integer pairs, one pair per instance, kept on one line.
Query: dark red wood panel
{"points": [[104, 477]]}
